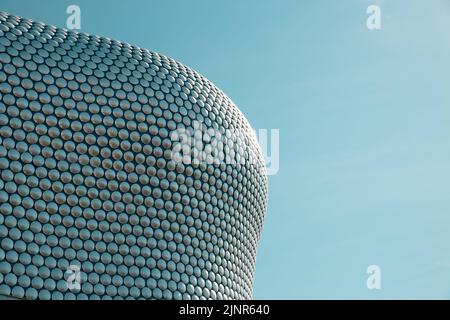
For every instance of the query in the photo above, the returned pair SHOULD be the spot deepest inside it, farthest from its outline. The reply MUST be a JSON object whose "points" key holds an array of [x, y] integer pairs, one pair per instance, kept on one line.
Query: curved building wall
{"points": [[91, 190]]}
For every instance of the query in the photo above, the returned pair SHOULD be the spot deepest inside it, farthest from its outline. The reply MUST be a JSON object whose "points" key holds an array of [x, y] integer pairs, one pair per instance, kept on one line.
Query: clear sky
{"points": [[364, 119]]}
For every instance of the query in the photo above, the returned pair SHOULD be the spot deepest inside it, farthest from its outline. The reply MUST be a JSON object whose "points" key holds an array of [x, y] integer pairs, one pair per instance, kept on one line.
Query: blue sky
{"points": [[364, 127]]}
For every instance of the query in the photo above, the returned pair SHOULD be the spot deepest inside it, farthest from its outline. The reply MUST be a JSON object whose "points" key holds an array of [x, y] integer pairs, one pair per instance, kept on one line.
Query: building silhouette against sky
{"points": [[94, 202]]}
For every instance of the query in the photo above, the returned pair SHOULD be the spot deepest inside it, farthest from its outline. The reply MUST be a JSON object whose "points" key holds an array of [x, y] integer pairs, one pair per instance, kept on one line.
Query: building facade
{"points": [[123, 173]]}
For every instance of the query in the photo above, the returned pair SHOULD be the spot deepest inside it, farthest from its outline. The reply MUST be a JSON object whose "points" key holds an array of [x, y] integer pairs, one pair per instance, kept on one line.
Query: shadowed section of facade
{"points": [[89, 186]]}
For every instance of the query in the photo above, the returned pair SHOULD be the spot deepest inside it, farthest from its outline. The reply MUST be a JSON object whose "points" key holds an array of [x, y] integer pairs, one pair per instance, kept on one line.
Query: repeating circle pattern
{"points": [[87, 178]]}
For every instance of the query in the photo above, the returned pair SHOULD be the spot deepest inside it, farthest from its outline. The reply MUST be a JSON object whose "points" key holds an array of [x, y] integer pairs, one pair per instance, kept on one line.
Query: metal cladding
{"points": [[88, 180]]}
